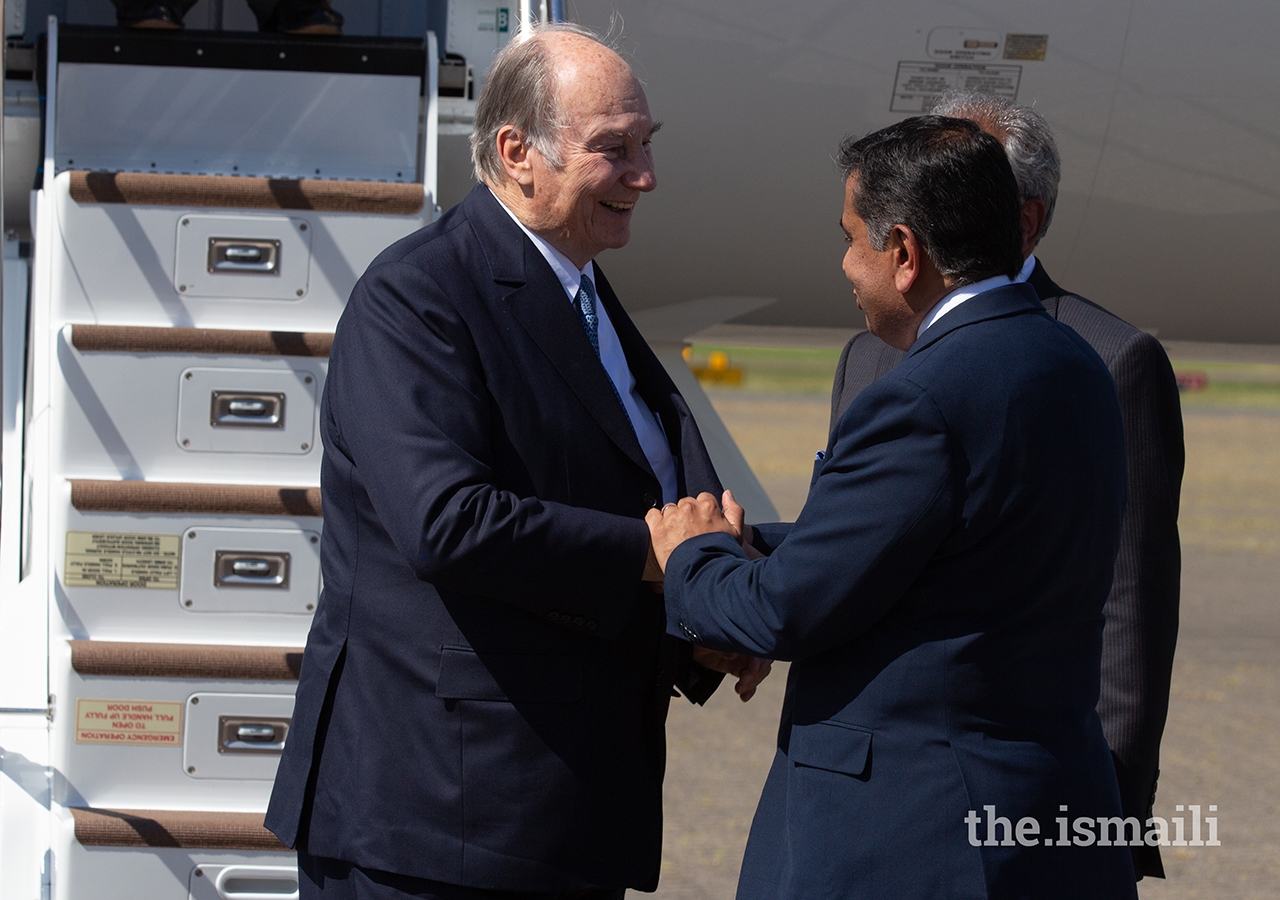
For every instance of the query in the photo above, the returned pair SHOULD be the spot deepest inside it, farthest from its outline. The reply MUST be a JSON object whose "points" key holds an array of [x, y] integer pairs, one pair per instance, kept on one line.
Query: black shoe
{"points": [[149, 15], [304, 17]]}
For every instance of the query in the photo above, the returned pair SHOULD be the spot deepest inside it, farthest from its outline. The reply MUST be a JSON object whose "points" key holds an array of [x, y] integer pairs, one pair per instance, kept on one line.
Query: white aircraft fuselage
{"points": [[1167, 115]]}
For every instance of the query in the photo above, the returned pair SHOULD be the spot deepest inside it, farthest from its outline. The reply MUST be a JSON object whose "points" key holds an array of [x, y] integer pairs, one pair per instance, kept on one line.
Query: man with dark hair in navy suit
{"points": [[1141, 629], [941, 592], [481, 706]]}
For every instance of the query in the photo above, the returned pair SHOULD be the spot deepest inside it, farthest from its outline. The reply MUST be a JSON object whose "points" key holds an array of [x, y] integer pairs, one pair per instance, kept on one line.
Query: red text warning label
{"points": [[128, 722]]}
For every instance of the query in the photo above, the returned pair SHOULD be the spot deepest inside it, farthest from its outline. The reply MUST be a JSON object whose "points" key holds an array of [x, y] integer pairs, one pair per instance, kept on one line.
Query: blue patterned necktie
{"points": [[587, 309], [591, 323]]}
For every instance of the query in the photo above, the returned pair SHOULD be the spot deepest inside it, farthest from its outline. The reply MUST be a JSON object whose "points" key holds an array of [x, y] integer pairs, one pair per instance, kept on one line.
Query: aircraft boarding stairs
{"points": [[208, 201]]}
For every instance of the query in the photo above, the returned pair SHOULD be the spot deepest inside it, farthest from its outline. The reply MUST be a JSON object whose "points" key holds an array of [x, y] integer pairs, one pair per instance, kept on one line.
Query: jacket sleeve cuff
{"points": [[694, 681]]}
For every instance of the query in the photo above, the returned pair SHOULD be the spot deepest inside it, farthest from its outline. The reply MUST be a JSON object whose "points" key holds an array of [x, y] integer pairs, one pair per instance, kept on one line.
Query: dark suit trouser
{"points": [[331, 879]]}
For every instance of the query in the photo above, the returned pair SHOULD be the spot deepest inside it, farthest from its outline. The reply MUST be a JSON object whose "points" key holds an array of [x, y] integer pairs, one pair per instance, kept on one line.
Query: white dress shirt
{"points": [[961, 294], [1028, 266], [647, 426]]}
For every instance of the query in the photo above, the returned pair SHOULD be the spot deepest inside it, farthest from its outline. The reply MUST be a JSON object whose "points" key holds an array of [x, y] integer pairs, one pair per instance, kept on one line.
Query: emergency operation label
{"points": [[128, 722], [120, 560], [919, 84]]}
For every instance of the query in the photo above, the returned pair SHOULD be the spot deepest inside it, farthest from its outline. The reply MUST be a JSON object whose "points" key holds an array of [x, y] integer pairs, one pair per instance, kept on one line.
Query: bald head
{"points": [[531, 88]]}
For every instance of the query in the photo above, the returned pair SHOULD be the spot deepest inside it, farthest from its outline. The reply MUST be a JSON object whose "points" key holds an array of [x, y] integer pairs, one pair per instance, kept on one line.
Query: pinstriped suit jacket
{"points": [[1142, 609]]}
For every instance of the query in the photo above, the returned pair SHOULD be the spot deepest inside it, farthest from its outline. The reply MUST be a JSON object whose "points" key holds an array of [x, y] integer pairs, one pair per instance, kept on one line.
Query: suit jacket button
{"points": [[591, 625], [579, 621], [554, 615], [650, 501]]}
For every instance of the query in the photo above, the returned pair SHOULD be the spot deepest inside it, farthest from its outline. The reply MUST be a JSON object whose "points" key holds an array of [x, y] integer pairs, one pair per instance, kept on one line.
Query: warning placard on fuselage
{"points": [[120, 560], [919, 84], [128, 722]]}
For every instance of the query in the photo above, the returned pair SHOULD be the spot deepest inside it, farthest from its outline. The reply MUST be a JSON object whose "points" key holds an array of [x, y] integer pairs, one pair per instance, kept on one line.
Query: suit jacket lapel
{"points": [[536, 300], [652, 381], [694, 470]]}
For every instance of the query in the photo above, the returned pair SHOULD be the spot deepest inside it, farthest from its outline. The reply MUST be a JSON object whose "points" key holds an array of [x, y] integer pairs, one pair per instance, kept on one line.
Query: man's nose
{"points": [[641, 176]]}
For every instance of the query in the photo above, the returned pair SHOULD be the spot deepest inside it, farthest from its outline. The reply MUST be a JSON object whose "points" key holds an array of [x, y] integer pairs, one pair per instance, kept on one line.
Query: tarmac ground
{"points": [[1225, 706]]}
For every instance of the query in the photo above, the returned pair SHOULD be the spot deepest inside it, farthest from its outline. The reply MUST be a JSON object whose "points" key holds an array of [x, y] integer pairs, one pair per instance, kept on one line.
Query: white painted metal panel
{"points": [[195, 275], [477, 30], [295, 592], [205, 757], [239, 882], [154, 776], [237, 122], [23, 617], [109, 873], [121, 417], [117, 266], [24, 803], [21, 150], [208, 422], [158, 613]]}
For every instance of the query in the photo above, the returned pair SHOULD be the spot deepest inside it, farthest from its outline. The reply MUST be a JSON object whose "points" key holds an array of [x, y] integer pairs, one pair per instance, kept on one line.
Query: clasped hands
{"points": [[674, 524]]}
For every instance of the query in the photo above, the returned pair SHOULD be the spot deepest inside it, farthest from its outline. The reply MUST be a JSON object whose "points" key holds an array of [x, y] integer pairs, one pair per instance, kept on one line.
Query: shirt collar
{"points": [[570, 275], [958, 296], [1024, 274]]}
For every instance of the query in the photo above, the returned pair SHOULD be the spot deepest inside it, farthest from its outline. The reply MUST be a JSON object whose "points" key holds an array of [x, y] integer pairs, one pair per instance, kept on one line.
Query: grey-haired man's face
{"points": [[585, 206]]}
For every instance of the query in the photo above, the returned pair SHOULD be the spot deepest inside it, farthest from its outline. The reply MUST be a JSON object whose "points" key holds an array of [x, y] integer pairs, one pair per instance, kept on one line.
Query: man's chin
{"points": [[616, 240], [894, 337]]}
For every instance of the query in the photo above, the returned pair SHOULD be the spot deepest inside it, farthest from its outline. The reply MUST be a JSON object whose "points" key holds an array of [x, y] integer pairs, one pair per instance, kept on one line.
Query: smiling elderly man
{"points": [[482, 700]]}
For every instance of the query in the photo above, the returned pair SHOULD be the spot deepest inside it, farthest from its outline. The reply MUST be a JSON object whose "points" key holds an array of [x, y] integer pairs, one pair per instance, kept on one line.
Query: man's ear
{"points": [[907, 255], [1034, 213], [513, 150]]}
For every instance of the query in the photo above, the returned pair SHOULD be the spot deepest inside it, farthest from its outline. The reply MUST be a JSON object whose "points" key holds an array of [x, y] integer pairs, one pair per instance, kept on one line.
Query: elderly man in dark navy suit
{"points": [[941, 592], [482, 699], [1141, 614]]}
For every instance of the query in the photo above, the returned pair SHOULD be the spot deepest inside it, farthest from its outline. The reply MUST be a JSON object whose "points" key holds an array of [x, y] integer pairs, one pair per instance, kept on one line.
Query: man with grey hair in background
{"points": [[481, 707], [1141, 613]]}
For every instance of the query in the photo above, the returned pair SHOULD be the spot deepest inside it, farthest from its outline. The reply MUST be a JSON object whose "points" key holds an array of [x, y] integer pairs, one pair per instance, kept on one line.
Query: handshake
{"points": [[674, 524]]}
